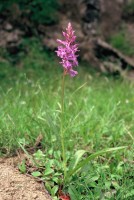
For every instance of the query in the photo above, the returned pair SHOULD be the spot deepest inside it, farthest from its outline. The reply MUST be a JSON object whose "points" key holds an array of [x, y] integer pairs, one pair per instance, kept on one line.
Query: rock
{"points": [[110, 17], [92, 11], [8, 27], [12, 37]]}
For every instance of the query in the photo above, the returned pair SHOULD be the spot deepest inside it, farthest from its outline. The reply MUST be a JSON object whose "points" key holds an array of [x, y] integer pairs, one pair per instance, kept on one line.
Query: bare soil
{"points": [[17, 186]]}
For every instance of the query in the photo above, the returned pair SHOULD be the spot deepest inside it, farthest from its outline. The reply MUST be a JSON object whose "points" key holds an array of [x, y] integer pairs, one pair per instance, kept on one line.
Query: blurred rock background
{"points": [[104, 29]]}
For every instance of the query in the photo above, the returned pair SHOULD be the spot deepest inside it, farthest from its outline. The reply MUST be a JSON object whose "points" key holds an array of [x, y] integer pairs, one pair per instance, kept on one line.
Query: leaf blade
{"points": [[92, 156]]}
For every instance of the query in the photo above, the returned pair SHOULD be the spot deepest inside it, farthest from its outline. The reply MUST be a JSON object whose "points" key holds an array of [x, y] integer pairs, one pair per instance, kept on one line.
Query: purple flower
{"points": [[67, 51]]}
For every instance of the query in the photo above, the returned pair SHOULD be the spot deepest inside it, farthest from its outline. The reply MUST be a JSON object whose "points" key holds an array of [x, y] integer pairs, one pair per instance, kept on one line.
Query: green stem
{"points": [[62, 125]]}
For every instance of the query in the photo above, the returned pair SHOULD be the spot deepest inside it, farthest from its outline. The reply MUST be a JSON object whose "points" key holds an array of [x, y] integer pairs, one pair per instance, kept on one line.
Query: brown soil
{"points": [[17, 186]]}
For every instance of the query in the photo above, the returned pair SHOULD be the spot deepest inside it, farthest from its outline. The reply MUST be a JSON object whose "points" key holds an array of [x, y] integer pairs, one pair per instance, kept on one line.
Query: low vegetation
{"points": [[98, 115], [41, 11], [122, 43]]}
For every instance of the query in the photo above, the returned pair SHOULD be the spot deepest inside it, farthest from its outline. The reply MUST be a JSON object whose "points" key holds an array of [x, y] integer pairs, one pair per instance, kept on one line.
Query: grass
{"points": [[98, 115], [122, 43]]}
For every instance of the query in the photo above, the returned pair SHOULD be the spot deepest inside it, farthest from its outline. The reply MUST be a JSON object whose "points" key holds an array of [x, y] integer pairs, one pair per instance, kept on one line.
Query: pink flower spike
{"points": [[67, 51], [73, 73]]}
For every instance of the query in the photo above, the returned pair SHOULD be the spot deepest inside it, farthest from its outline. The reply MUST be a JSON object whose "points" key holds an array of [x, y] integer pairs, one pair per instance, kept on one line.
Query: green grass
{"points": [[122, 43], [97, 116]]}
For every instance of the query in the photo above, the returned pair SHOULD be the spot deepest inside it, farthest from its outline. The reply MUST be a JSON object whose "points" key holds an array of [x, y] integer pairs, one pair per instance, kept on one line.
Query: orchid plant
{"points": [[67, 50]]}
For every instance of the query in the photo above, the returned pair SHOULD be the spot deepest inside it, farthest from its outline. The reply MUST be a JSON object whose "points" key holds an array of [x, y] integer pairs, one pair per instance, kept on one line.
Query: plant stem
{"points": [[62, 124]]}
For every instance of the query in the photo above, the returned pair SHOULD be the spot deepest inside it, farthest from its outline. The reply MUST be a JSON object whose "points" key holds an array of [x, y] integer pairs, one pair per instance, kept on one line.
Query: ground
{"points": [[17, 186]]}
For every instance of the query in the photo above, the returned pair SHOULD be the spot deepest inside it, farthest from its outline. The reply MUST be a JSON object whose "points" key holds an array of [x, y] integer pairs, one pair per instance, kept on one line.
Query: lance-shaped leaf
{"points": [[91, 157]]}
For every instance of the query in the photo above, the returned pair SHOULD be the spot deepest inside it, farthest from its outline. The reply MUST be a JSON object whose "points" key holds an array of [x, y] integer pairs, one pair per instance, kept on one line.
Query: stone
{"points": [[8, 27]]}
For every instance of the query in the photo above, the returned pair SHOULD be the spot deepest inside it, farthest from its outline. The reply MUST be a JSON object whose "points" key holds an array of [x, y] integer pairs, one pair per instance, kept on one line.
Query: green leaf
{"points": [[76, 158], [48, 187], [73, 193], [79, 88], [50, 163], [130, 193], [54, 190], [55, 179], [36, 174], [39, 155], [57, 155], [22, 167], [107, 184], [91, 180], [115, 184], [48, 171], [91, 157], [55, 198]]}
